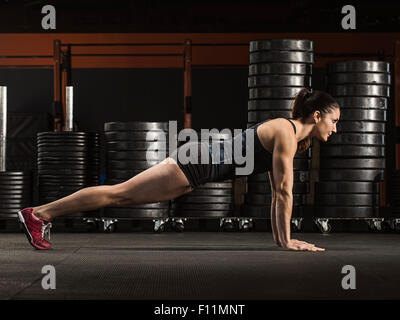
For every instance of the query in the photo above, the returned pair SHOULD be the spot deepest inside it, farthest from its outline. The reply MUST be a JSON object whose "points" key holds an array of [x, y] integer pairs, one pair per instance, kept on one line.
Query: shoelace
{"points": [[46, 231]]}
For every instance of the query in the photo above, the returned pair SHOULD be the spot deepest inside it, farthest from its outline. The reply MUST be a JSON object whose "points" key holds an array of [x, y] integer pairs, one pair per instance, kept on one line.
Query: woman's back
{"points": [[267, 131]]}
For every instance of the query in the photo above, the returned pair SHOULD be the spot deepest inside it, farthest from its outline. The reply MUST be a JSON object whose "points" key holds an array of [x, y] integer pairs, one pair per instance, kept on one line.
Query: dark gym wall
{"points": [[102, 95]]}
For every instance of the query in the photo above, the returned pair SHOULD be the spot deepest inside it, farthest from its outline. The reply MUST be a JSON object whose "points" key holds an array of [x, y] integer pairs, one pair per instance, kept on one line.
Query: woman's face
{"points": [[326, 124]]}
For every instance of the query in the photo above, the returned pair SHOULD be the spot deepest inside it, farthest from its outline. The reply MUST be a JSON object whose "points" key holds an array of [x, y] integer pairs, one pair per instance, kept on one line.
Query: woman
{"points": [[275, 144]]}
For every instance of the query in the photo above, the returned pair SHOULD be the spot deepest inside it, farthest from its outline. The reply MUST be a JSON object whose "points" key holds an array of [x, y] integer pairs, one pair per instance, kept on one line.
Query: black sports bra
{"points": [[262, 157]]}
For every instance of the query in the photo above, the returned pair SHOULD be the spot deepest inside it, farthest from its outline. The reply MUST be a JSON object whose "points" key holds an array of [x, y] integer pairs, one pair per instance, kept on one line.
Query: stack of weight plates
{"points": [[353, 159], [279, 69], [67, 162], [209, 200], [133, 147], [15, 193]]}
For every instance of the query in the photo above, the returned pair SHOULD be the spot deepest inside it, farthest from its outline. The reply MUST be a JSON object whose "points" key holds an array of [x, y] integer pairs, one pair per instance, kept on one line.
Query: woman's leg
{"points": [[161, 182]]}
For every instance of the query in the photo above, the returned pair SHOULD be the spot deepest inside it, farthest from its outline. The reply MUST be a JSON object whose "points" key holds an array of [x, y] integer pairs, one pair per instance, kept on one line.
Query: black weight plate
{"points": [[346, 187], [361, 126], [9, 213], [67, 134], [61, 177], [68, 160], [89, 166], [351, 151], [69, 140], [15, 201], [189, 199], [254, 187], [201, 214], [365, 163], [362, 102], [56, 194], [65, 148], [280, 68], [52, 185], [122, 174], [142, 165], [155, 205], [62, 187], [270, 104], [301, 164], [69, 154], [358, 66], [359, 90], [14, 181], [281, 56], [135, 126], [303, 155], [211, 192], [68, 147], [21, 193], [265, 211], [15, 187], [346, 212], [281, 44], [136, 136], [112, 182], [63, 167], [46, 186], [14, 174], [205, 206], [65, 171], [16, 207], [111, 212], [258, 116], [279, 80], [298, 176], [363, 115], [5, 197], [354, 138], [265, 199], [227, 184], [347, 200], [135, 155], [278, 92], [359, 78], [351, 175], [140, 145]]}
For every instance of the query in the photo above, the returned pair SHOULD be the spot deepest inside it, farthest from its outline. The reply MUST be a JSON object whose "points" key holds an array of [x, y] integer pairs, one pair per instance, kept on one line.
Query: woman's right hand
{"points": [[296, 245]]}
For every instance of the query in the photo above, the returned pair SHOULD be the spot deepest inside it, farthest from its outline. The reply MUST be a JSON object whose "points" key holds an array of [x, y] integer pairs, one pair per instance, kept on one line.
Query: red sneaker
{"points": [[35, 229]]}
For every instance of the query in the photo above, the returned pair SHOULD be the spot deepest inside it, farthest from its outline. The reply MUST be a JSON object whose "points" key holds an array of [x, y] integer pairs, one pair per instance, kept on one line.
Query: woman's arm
{"points": [[273, 207], [284, 150]]}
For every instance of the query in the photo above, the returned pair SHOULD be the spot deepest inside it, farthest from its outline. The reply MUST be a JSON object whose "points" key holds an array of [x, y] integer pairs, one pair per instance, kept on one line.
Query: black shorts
{"points": [[198, 172]]}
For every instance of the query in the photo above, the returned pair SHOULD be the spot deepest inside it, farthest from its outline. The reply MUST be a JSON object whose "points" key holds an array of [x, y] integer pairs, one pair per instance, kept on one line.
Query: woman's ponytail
{"points": [[298, 110], [304, 144]]}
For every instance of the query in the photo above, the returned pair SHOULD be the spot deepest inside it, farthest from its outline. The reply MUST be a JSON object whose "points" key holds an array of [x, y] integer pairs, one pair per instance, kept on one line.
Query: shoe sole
{"points": [[26, 231]]}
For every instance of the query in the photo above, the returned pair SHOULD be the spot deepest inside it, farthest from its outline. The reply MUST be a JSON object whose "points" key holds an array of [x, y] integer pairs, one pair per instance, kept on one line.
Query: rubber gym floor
{"points": [[200, 265]]}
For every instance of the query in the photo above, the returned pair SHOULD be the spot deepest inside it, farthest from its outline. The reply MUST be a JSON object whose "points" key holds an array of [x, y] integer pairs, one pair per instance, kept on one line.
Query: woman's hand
{"points": [[297, 245]]}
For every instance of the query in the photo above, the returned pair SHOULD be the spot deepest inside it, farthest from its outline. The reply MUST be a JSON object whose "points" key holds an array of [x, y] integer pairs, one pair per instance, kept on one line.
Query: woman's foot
{"points": [[35, 229]]}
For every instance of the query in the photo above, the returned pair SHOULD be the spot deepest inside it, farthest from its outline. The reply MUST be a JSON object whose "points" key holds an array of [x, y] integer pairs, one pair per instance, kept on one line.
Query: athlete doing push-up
{"points": [[276, 141]]}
